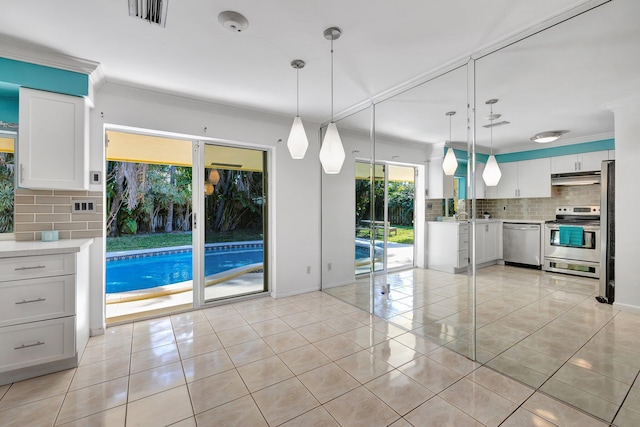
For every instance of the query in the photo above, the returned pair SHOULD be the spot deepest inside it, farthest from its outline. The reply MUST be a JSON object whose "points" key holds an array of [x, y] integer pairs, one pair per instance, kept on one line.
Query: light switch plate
{"points": [[95, 177]]}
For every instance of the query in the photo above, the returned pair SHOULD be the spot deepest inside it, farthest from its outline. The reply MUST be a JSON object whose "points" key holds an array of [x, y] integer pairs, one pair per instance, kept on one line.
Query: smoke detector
{"points": [[233, 21]]}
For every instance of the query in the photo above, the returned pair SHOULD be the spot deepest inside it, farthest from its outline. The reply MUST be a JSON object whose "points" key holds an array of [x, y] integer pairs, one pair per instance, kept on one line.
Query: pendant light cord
{"points": [[332, 80], [450, 130], [491, 129], [297, 91]]}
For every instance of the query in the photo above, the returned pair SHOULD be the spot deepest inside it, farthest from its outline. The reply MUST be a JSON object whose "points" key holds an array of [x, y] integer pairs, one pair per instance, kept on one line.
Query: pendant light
{"points": [[297, 142], [332, 153], [491, 174], [450, 163]]}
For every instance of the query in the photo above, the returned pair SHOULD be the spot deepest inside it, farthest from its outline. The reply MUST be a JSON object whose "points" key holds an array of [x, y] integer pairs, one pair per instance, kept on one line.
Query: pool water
{"points": [[150, 271]]}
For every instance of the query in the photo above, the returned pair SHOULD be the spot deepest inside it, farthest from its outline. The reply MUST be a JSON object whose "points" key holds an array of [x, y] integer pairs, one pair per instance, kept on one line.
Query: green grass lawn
{"points": [[163, 240], [404, 234]]}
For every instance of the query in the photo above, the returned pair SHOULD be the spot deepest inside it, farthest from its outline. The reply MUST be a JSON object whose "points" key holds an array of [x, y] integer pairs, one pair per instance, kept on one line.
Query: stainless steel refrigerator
{"points": [[607, 289]]}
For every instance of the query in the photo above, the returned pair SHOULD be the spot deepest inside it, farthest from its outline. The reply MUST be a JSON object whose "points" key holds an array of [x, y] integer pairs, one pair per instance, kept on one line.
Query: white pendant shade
{"points": [[450, 163], [332, 153], [491, 174], [297, 142]]}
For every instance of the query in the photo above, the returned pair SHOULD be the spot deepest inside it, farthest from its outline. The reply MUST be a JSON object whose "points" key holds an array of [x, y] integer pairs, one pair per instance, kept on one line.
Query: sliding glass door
{"points": [[233, 227]]}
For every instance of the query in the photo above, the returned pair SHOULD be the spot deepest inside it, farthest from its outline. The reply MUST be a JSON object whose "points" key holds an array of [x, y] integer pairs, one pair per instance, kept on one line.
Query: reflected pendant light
{"points": [[450, 163], [332, 153], [491, 174], [297, 142]]}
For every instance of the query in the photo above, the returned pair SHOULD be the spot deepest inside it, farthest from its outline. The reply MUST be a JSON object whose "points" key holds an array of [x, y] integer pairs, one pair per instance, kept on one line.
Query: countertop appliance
{"points": [[521, 244], [607, 236], [572, 241]]}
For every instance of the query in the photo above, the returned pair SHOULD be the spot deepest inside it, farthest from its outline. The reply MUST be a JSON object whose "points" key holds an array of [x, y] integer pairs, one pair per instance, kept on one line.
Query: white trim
{"points": [[626, 307], [276, 295], [34, 54]]}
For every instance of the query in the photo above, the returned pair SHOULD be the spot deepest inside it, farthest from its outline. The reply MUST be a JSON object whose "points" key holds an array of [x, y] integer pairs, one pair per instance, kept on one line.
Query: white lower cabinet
{"points": [[44, 303], [448, 246], [487, 242]]}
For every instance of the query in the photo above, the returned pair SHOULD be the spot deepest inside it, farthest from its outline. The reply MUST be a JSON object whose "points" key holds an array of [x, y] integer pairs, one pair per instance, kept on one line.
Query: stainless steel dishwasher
{"points": [[521, 244]]}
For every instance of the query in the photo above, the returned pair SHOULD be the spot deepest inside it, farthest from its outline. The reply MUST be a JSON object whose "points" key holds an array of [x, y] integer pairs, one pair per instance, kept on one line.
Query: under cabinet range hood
{"points": [[576, 178]]}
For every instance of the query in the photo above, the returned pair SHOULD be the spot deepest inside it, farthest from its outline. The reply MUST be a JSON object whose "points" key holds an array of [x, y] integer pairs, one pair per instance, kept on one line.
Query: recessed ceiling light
{"points": [[546, 137]]}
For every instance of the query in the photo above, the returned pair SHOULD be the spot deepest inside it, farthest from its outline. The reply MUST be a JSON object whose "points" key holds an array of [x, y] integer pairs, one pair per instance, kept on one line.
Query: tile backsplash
{"points": [[529, 209], [541, 208], [40, 210]]}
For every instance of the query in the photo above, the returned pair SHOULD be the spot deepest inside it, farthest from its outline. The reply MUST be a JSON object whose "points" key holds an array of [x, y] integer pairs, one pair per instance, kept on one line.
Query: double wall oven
{"points": [[572, 241]]}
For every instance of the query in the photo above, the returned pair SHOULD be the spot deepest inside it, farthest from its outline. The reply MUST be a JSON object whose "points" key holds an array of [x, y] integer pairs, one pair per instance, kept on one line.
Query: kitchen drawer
{"points": [[463, 241], [463, 228], [36, 299], [31, 267], [463, 258], [36, 342]]}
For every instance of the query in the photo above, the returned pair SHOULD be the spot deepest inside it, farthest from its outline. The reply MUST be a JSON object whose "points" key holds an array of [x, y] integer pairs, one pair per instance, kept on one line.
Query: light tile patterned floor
{"points": [[315, 360], [544, 330]]}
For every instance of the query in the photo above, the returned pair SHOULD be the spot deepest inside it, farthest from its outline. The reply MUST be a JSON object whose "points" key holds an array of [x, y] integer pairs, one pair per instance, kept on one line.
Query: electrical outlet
{"points": [[329, 266], [308, 269], [83, 206]]}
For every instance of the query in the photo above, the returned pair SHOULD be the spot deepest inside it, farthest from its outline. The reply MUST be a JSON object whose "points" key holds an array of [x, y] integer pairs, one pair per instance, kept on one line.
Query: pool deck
{"points": [[124, 311]]}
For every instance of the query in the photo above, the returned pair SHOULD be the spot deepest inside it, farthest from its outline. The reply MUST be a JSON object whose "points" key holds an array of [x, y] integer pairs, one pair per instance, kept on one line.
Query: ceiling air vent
{"points": [[152, 11]]}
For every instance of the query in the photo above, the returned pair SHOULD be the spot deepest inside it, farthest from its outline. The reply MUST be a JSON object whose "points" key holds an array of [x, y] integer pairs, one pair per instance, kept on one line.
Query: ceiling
{"points": [[385, 46]]}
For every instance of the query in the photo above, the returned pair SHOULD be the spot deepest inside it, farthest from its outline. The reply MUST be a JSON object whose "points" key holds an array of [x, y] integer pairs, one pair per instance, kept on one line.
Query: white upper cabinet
{"points": [[52, 145], [527, 178], [439, 185], [534, 178], [583, 162], [480, 187]]}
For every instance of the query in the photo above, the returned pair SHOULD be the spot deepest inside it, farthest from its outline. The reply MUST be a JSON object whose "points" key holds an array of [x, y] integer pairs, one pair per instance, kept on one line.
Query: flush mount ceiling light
{"points": [[450, 163], [233, 21], [546, 137], [297, 142], [152, 11], [332, 153], [491, 174]]}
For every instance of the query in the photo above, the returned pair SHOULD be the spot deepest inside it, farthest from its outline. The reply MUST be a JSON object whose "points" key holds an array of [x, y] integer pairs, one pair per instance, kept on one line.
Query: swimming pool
{"points": [[144, 270]]}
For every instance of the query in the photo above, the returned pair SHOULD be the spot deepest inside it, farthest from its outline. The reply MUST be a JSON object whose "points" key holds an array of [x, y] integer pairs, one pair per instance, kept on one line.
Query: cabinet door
{"points": [[480, 188], [52, 151], [439, 186], [509, 181], [592, 161], [564, 164], [534, 178], [612, 154], [481, 237], [491, 241]]}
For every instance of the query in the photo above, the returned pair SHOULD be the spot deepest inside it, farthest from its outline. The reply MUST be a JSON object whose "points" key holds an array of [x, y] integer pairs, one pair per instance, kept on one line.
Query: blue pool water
{"points": [[163, 269]]}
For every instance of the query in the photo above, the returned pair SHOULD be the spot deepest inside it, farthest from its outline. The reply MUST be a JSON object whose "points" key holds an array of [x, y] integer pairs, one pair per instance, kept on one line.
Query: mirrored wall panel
{"points": [[541, 108]]}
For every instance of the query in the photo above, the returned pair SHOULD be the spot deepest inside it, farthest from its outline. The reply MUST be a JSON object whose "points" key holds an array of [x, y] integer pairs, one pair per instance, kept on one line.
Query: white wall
{"points": [[294, 225], [627, 129]]}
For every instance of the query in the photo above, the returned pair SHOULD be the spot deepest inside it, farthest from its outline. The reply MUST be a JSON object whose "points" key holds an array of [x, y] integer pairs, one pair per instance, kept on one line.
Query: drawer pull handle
{"points": [[24, 301], [28, 345], [30, 268]]}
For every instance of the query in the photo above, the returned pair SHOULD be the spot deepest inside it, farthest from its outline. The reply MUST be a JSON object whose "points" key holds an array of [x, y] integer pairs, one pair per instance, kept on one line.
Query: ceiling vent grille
{"points": [[152, 11]]}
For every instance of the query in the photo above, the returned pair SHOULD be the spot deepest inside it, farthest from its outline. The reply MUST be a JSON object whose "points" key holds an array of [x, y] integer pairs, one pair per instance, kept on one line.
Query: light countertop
{"points": [[12, 249]]}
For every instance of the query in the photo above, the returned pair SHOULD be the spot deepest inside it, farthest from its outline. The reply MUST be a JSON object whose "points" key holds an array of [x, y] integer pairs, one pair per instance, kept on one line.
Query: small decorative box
{"points": [[50, 236]]}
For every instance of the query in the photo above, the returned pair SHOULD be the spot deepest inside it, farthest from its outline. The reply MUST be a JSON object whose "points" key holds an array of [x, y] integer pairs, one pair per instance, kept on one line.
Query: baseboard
{"points": [[96, 332], [276, 294], [626, 307], [335, 285]]}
